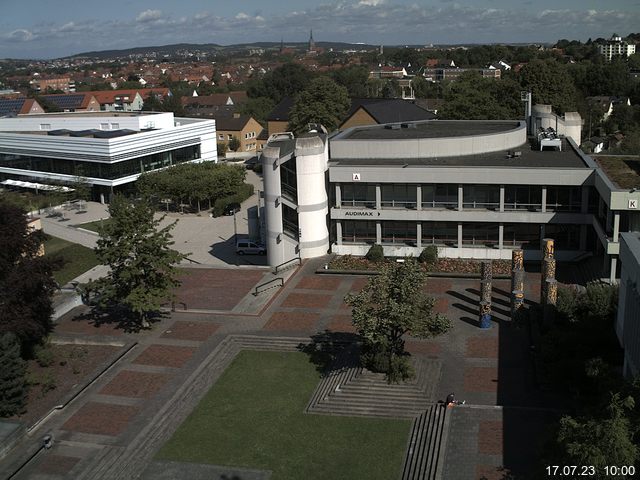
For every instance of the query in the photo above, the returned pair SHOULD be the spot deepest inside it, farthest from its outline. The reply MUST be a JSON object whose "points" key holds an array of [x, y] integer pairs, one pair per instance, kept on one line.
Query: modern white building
{"points": [[475, 189], [296, 202], [616, 46], [628, 321], [111, 150]]}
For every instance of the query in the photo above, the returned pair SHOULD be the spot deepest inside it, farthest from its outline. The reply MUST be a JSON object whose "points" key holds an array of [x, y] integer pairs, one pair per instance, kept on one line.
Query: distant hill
{"points": [[211, 48]]}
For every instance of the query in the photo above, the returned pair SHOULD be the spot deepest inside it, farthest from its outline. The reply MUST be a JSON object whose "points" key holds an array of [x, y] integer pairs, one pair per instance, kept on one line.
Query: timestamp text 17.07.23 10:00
{"points": [[624, 471]]}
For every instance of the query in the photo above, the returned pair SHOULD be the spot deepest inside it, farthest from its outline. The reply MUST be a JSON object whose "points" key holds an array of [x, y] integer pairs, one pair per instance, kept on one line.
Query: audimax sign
{"points": [[360, 213]]}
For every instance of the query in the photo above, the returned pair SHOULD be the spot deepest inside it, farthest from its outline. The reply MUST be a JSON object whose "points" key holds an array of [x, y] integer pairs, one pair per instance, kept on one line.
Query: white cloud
{"points": [[370, 3], [149, 16], [20, 35], [242, 16]]}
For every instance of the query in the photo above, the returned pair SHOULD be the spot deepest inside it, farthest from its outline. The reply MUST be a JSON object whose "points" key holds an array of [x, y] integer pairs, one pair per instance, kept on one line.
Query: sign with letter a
{"points": [[355, 177]]}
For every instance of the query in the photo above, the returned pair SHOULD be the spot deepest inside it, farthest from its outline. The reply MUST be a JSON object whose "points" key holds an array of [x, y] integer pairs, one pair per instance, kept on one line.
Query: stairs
{"points": [[425, 444], [353, 391]]}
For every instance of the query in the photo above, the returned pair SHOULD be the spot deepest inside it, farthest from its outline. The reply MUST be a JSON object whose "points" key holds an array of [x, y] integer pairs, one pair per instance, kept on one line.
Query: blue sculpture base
{"points": [[485, 320]]}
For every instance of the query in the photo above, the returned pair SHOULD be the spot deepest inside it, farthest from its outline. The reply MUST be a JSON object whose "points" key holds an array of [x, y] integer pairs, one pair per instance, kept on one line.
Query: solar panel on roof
{"points": [[65, 101], [11, 106]]}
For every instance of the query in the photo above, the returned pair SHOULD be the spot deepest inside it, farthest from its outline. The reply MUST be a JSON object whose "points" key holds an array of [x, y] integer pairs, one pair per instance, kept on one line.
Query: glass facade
{"points": [[521, 235], [440, 196], [566, 237], [109, 171], [564, 199], [289, 181], [290, 221], [439, 233], [358, 232], [523, 197], [359, 195], [480, 234], [481, 196], [399, 233], [401, 195]]}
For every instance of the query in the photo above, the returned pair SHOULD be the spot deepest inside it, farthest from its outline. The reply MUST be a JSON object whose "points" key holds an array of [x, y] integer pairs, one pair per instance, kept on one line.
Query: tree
{"points": [[258, 108], [142, 264], [26, 279], [323, 101], [550, 84], [13, 388], [599, 441], [234, 144], [391, 305], [285, 81], [354, 79]]}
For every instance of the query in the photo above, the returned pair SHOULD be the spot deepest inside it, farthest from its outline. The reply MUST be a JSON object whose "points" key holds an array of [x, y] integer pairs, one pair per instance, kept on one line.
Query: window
{"points": [[115, 126], [521, 235], [564, 199], [440, 196], [104, 126], [481, 196], [229, 137], [45, 126], [440, 233], [523, 197], [399, 232], [480, 234], [221, 137], [399, 195], [354, 231], [359, 195]]}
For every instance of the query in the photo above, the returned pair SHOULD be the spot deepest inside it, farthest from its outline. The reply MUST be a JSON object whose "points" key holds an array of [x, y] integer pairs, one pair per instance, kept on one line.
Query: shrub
{"points": [[375, 253], [44, 355], [245, 191], [601, 301], [13, 387], [567, 304], [429, 255]]}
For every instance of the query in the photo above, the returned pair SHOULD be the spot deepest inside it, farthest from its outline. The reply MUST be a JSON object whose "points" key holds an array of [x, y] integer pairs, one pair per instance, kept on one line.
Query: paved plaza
{"points": [[115, 427]]}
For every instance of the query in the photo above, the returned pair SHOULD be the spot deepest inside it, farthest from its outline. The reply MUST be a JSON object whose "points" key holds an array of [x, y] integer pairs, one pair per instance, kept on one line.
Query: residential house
{"points": [[376, 111], [55, 83], [19, 106], [73, 102], [244, 128], [616, 47], [608, 103], [215, 106]]}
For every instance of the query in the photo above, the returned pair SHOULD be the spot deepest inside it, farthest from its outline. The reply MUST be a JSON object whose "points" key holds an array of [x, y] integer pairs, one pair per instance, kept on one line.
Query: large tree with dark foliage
{"points": [[26, 279], [323, 102]]}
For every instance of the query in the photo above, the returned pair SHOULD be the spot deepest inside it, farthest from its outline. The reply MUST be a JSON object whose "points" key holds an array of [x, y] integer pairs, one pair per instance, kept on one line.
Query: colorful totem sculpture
{"points": [[486, 282], [517, 281]]}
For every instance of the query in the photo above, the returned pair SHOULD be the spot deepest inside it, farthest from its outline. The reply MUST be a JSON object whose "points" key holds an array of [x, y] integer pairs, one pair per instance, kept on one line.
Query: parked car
{"points": [[247, 247], [232, 208]]}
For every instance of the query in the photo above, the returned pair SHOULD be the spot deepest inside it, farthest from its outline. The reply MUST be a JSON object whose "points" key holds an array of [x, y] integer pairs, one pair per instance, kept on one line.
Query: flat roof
{"points": [[101, 113], [530, 157], [429, 129]]}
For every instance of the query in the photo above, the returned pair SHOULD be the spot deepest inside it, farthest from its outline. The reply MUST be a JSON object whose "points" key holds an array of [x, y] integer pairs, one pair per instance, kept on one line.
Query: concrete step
{"points": [[423, 454], [352, 411]]}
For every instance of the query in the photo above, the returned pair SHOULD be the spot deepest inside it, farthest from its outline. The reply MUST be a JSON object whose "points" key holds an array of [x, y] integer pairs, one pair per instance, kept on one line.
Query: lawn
{"points": [[93, 226], [253, 418], [78, 258]]}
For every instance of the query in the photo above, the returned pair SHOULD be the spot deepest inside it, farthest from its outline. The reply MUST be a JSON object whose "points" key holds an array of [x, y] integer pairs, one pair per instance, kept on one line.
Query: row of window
{"points": [[567, 237], [516, 197], [108, 171]]}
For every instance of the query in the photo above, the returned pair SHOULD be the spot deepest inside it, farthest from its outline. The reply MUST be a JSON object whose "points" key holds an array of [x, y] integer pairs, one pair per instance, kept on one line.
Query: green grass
{"points": [[78, 258], [93, 226], [253, 418]]}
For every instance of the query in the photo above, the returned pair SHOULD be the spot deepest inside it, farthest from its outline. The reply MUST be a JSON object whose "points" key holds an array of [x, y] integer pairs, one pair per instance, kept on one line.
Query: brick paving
{"points": [[341, 323], [320, 282], [305, 300], [486, 367], [481, 379], [87, 326], [490, 437], [101, 419], [292, 322], [165, 356], [129, 383], [195, 331], [482, 347], [491, 472], [215, 289]]}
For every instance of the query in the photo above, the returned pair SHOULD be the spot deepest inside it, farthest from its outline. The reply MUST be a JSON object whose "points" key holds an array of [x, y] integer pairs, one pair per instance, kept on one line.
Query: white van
{"points": [[247, 247]]}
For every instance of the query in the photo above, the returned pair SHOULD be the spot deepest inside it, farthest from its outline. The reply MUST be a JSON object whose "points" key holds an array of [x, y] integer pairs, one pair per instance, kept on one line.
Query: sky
{"points": [[55, 28]]}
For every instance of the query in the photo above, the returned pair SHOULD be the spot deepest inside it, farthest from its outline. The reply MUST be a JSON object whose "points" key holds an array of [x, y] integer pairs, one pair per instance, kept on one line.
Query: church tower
{"points": [[312, 44]]}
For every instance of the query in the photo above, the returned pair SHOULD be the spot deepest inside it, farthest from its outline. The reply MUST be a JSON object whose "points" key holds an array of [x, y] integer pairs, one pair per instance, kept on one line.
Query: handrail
{"points": [[277, 268], [256, 292]]}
